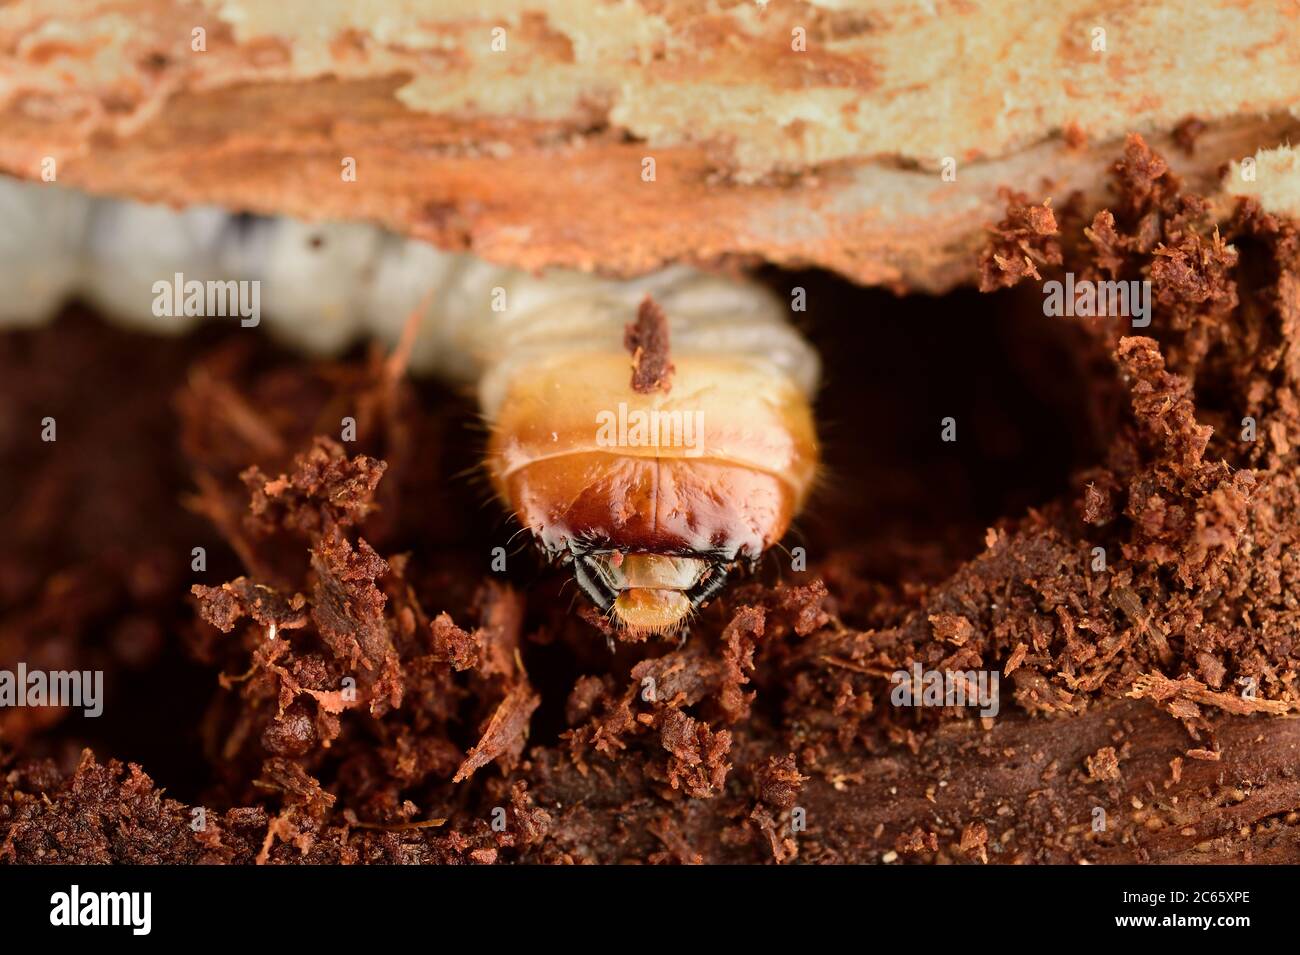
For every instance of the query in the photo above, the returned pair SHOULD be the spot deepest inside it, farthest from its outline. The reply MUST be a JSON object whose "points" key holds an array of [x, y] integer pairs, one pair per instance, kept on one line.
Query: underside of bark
{"points": [[602, 146]]}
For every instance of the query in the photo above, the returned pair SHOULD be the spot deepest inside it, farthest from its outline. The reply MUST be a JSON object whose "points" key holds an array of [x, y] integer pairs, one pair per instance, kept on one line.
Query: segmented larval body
{"points": [[652, 497]]}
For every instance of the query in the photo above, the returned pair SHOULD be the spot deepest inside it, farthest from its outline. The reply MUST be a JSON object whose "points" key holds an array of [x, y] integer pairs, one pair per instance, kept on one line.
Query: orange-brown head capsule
{"points": [[655, 496]]}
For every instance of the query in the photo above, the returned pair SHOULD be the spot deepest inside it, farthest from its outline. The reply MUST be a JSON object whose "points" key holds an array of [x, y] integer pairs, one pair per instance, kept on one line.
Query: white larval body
{"points": [[325, 285]]}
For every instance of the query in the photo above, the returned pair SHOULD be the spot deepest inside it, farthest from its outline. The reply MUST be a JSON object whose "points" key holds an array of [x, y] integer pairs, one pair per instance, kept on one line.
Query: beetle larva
{"points": [[651, 496]]}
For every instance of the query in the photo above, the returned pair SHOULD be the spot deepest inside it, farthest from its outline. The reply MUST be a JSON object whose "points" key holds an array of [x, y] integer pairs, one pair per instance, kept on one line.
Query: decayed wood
{"points": [[1034, 786], [791, 133], [831, 156]]}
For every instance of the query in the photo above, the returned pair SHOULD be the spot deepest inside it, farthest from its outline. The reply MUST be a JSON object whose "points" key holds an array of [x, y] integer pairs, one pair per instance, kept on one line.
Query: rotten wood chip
{"points": [[647, 340], [506, 732]]}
